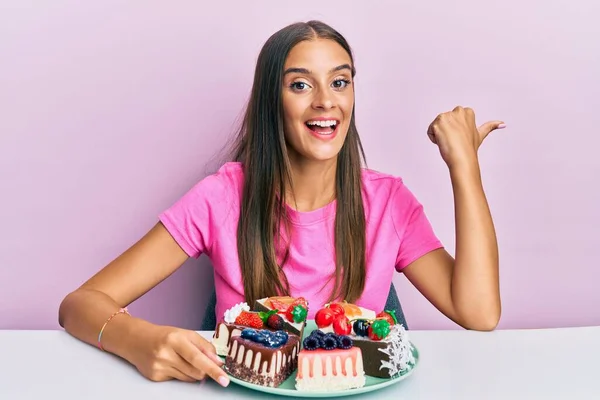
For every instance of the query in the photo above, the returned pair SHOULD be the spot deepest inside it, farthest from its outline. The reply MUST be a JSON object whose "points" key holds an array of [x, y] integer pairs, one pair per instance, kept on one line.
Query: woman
{"points": [[296, 213]]}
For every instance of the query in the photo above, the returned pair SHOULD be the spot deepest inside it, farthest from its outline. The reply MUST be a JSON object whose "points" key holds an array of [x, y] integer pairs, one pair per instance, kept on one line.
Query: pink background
{"points": [[109, 112]]}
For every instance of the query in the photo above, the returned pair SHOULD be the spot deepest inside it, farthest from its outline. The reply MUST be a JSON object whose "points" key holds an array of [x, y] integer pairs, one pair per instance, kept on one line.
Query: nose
{"points": [[323, 100]]}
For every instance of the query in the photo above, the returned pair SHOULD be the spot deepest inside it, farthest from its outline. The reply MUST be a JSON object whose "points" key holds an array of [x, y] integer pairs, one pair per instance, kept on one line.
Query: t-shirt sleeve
{"points": [[191, 219], [413, 228]]}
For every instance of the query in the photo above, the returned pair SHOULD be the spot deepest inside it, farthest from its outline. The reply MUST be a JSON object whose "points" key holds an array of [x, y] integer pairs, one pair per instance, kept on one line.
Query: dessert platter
{"points": [[347, 349]]}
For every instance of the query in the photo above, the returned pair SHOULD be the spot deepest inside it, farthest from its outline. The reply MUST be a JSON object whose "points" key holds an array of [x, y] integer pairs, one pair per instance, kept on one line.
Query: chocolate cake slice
{"points": [[389, 357], [263, 357]]}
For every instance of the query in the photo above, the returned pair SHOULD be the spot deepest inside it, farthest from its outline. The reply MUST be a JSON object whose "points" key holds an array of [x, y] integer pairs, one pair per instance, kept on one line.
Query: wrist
{"points": [[467, 167], [123, 337]]}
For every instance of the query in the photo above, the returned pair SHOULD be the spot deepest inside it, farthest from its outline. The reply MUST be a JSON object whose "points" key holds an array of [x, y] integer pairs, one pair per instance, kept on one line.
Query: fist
{"points": [[457, 136]]}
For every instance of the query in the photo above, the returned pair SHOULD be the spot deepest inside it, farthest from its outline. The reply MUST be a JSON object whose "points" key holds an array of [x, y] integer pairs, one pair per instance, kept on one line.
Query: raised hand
{"points": [[457, 136]]}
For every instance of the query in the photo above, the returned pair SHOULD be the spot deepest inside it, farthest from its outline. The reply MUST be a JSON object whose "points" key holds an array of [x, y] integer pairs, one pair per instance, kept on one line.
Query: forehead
{"points": [[318, 56]]}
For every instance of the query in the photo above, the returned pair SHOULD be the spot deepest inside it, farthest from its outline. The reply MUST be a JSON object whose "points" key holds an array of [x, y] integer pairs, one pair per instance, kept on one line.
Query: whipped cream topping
{"points": [[235, 311], [399, 351]]}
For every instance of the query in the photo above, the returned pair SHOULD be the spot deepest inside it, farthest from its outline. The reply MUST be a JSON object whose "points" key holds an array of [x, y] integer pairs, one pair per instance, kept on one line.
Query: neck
{"points": [[313, 184]]}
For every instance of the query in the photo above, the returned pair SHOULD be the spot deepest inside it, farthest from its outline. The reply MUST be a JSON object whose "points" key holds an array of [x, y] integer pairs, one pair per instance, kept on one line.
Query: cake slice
{"points": [[329, 362], [386, 349], [389, 357], [292, 310], [263, 357]]}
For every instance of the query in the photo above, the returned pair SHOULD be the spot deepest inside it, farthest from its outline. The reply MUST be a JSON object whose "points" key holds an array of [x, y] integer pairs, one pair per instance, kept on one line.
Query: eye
{"points": [[341, 83], [299, 86]]}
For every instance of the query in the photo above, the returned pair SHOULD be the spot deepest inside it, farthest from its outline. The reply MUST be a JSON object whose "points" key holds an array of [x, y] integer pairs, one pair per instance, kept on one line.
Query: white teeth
{"points": [[322, 123]]}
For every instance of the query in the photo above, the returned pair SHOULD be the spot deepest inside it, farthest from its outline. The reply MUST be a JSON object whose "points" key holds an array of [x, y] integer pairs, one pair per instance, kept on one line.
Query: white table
{"points": [[511, 364]]}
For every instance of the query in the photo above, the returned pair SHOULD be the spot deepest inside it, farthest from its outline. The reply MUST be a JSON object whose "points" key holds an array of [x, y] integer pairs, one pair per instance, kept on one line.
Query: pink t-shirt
{"points": [[204, 221]]}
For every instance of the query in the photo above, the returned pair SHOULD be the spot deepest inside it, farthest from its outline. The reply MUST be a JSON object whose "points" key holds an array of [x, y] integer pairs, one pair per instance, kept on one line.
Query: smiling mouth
{"points": [[322, 127]]}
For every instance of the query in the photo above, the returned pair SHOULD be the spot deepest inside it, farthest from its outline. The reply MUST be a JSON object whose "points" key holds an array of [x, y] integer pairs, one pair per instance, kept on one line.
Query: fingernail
{"points": [[501, 126], [223, 381]]}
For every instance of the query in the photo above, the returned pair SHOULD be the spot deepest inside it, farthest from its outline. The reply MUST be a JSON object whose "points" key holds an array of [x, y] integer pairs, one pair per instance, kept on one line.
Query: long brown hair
{"points": [[261, 148]]}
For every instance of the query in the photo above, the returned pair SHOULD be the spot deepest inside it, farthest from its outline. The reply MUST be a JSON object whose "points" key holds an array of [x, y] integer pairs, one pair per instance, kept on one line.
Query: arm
{"points": [[466, 290], [158, 352], [143, 266]]}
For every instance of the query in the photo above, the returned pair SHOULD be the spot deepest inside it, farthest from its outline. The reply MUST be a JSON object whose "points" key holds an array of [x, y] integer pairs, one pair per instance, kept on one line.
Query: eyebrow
{"points": [[306, 71]]}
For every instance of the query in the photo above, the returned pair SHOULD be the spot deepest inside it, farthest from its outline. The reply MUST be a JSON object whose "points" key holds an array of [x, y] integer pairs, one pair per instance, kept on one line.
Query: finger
{"points": [[431, 134], [470, 115], [206, 347], [490, 126], [177, 374], [193, 355], [189, 370]]}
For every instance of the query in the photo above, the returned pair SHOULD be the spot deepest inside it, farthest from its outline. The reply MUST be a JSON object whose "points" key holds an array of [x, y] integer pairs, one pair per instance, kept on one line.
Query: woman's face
{"points": [[318, 98]]}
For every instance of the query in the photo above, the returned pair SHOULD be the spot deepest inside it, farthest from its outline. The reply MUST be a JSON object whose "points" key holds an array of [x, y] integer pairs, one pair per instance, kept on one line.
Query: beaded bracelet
{"points": [[121, 311]]}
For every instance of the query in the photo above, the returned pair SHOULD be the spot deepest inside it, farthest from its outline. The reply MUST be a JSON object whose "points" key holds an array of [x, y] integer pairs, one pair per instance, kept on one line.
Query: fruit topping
{"points": [[379, 329], [389, 316], [312, 342], [329, 343], [341, 325], [361, 327], [326, 341], [337, 309], [251, 319], [318, 333], [296, 313], [344, 342], [275, 322], [249, 334], [265, 337], [324, 317], [330, 334], [278, 303], [350, 310], [302, 301]]}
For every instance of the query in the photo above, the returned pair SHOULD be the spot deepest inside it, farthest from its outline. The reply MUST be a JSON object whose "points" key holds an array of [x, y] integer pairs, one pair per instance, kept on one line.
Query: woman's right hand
{"points": [[165, 353]]}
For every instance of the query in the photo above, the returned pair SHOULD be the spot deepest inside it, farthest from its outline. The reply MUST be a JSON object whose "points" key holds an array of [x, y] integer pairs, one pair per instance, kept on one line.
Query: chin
{"points": [[322, 158], [321, 154]]}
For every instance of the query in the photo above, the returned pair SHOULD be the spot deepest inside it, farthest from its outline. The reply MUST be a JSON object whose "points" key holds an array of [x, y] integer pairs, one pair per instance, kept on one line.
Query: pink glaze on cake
{"points": [[329, 370]]}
